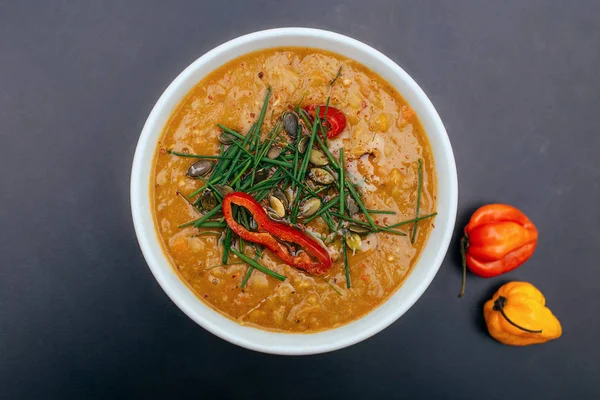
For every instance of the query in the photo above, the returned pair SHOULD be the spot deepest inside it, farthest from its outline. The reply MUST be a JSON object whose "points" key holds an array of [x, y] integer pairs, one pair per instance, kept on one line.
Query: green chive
{"points": [[410, 221], [176, 153], [381, 212], [346, 267], [360, 203], [342, 197], [261, 117], [247, 276], [332, 287], [277, 162], [239, 175], [336, 76], [206, 216], [376, 228], [211, 224], [231, 132], [226, 245], [419, 188], [257, 265], [326, 207]]}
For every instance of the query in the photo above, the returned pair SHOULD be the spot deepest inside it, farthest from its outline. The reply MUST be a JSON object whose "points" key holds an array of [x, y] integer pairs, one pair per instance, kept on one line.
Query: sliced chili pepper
{"points": [[335, 119], [270, 233]]}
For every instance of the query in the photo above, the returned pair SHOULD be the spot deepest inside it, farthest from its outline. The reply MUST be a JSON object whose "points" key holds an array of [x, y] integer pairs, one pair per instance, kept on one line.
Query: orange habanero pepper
{"points": [[497, 239]]}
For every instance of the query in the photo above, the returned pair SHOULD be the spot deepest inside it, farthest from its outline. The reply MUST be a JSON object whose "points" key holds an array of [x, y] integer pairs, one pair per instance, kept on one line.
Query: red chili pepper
{"points": [[270, 232], [335, 120], [498, 239]]}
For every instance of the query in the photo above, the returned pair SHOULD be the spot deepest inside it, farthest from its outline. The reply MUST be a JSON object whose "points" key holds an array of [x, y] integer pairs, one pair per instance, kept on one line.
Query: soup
{"points": [[293, 190]]}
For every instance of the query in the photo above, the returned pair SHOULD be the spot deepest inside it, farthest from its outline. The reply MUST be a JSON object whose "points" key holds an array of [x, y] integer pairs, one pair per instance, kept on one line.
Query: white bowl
{"points": [[286, 343]]}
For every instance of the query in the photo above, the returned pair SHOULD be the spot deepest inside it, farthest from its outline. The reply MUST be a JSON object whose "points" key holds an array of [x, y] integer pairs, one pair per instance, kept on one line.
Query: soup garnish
{"points": [[316, 194], [231, 195]]}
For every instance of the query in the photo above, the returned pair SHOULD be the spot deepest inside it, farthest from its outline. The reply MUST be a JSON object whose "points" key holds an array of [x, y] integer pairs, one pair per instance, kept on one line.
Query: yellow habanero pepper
{"points": [[517, 315]]}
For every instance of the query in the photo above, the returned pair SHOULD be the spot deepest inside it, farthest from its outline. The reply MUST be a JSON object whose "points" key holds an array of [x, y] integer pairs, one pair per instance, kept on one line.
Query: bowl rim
{"points": [[140, 207]]}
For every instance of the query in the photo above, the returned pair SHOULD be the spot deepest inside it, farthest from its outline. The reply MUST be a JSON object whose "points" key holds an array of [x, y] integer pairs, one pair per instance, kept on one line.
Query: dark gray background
{"points": [[517, 84]]}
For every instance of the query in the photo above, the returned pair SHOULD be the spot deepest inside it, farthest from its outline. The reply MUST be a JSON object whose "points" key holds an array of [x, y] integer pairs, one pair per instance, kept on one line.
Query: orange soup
{"points": [[293, 190]]}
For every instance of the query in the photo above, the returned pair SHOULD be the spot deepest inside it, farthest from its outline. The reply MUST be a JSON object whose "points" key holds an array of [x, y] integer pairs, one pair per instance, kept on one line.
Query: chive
{"points": [[242, 149], [419, 188], [261, 117], [237, 157], [329, 221], [223, 164], [239, 175], [234, 152], [377, 228], [332, 287], [336, 76], [231, 132], [381, 212], [226, 245], [346, 267], [301, 99], [210, 185], [247, 276], [267, 183], [323, 130], [176, 153], [206, 216], [341, 180], [322, 210], [197, 191], [410, 221], [261, 196], [323, 146], [266, 144], [277, 162], [244, 218], [211, 224], [257, 265], [360, 203], [296, 154], [208, 233], [302, 170], [306, 158], [301, 184]]}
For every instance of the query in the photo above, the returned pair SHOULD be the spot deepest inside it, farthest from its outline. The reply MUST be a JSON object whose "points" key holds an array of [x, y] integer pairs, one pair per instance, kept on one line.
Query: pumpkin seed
{"points": [[282, 197], [353, 241], [310, 207], [253, 224], [261, 175], [273, 214], [290, 195], [226, 138], [274, 152], [223, 189], [318, 158], [352, 206], [360, 229], [208, 200], [320, 176], [277, 206], [199, 168], [303, 144], [290, 123]]}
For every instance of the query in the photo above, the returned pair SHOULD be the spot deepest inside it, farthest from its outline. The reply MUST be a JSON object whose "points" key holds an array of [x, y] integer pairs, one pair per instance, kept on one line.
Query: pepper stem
{"points": [[464, 243], [499, 306]]}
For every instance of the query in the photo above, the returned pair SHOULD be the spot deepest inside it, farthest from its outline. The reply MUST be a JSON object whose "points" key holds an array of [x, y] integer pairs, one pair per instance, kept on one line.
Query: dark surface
{"points": [[516, 83]]}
